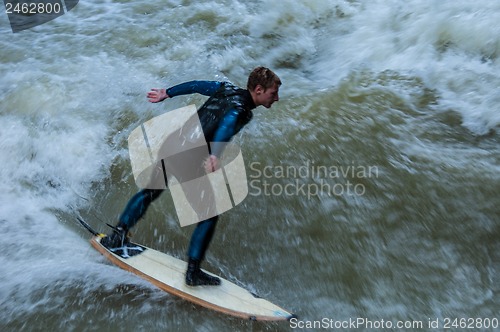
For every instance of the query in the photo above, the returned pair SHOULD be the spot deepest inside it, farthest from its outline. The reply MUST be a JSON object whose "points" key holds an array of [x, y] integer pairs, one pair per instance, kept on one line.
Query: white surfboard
{"points": [[167, 273]]}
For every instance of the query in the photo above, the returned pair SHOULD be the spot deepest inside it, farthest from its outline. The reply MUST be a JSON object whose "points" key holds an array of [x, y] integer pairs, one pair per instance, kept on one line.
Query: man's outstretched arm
{"points": [[206, 88]]}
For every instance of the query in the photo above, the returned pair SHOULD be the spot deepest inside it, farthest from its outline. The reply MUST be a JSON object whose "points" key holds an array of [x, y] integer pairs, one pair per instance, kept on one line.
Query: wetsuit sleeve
{"points": [[206, 88], [226, 130]]}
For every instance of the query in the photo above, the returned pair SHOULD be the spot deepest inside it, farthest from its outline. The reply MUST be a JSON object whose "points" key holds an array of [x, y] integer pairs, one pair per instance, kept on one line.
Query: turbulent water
{"points": [[373, 183]]}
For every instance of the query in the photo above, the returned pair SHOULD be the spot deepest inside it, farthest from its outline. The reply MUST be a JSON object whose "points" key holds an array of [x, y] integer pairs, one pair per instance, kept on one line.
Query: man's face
{"points": [[267, 97]]}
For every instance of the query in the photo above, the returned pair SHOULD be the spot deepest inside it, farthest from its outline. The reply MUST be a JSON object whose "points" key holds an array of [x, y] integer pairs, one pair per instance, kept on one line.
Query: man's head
{"points": [[263, 85]]}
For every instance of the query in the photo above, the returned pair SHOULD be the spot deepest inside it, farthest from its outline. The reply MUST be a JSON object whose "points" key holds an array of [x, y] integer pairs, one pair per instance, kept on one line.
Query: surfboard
{"points": [[167, 273]]}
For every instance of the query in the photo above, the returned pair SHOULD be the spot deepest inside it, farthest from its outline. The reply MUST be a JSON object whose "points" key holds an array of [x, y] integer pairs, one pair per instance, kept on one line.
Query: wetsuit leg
{"points": [[201, 238], [137, 207]]}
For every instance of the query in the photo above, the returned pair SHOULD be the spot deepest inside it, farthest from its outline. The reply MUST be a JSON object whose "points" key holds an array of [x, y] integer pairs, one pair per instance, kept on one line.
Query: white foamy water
{"points": [[453, 46], [409, 87]]}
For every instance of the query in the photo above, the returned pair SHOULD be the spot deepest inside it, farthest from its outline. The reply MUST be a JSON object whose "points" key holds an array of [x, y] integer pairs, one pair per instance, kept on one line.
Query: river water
{"points": [[373, 183]]}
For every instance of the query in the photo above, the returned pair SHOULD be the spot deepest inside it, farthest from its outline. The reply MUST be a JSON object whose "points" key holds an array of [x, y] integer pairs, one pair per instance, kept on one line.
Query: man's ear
{"points": [[259, 89]]}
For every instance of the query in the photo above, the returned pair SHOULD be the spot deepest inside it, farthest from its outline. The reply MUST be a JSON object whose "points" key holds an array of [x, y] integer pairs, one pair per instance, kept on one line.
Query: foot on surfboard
{"points": [[196, 277], [117, 239]]}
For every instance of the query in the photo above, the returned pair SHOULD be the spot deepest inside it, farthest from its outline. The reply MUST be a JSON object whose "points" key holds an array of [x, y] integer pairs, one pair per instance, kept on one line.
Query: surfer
{"points": [[227, 110]]}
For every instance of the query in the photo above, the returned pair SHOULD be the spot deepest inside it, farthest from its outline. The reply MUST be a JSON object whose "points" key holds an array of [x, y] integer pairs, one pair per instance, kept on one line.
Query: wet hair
{"points": [[264, 77]]}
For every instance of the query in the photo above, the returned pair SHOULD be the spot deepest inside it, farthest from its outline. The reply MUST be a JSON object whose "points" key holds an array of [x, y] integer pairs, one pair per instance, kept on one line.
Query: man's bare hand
{"points": [[211, 164], [157, 95]]}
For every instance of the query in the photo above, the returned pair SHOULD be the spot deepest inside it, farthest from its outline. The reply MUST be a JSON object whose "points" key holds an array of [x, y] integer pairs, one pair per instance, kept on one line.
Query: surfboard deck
{"points": [[167, 273]]}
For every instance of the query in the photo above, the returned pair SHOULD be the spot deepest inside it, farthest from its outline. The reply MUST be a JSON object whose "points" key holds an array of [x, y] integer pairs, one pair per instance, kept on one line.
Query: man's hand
{"points": [[211, 164], [157, 95]]}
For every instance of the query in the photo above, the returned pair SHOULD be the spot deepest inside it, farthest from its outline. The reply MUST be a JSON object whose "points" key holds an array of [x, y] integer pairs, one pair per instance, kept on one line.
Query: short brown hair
{"points": [[264, 77]]}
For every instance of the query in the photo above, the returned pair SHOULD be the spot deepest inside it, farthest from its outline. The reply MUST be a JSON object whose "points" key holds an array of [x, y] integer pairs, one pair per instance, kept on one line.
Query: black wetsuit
{"points": [[228, 109]]}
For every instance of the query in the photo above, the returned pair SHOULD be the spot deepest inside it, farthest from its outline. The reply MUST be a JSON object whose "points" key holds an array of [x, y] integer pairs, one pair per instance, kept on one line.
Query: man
{"points": [[223, 115]]}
